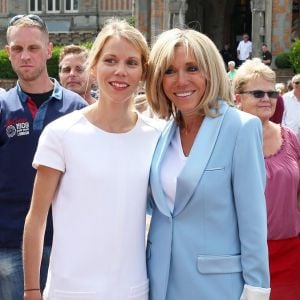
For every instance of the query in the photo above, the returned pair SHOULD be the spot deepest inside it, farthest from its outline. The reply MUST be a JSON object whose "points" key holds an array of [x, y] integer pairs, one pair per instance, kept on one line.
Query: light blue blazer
{"points": [[215, 241]]}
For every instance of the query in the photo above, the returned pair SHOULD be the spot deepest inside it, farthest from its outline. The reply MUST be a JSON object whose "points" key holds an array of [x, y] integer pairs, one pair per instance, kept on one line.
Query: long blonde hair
{"points": [[209, 62]]}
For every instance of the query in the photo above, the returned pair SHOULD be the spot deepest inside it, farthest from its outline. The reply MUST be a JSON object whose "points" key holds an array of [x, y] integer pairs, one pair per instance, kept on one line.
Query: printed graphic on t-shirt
{"points": [[17, 127]]}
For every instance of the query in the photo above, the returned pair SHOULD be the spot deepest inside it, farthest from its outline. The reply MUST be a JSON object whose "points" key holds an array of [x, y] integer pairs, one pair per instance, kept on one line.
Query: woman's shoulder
{"points": [[234, 114], [153, 123], [64, 122], [291, 138]]}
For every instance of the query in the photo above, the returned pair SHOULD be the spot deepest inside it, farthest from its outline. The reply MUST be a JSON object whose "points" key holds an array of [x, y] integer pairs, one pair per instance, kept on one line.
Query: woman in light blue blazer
{"points": [[207, 239]]}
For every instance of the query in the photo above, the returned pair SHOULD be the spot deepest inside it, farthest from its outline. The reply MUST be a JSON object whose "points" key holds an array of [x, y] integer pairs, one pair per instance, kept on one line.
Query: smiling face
{"points": [[264, 107], [118, 70], [183, 82], [28, 49]]}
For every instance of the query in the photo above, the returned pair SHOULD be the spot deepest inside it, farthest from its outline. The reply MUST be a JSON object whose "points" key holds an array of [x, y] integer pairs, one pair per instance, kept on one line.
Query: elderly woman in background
{"points": [[254, 88]]}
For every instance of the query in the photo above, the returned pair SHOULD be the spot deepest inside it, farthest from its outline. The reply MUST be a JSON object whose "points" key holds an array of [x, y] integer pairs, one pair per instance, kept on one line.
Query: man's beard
{"points": [[29, 76]]}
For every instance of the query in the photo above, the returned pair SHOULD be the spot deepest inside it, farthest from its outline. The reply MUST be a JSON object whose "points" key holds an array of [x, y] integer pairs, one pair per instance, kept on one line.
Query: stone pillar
{"points": [[177, 9], [258, 8], [268, 25]]}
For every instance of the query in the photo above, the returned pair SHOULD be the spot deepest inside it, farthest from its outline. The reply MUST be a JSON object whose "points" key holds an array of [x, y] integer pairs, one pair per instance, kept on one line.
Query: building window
{"points": [[35, 6], [53, 5], [71, 5]]}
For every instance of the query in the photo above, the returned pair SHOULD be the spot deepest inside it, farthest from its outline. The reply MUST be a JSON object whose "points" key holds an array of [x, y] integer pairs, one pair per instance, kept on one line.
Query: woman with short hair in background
{"points": [[254, 88]]}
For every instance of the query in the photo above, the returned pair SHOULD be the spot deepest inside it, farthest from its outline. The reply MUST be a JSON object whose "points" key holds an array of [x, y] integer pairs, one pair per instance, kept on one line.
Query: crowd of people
{"points": [[211, 153]]}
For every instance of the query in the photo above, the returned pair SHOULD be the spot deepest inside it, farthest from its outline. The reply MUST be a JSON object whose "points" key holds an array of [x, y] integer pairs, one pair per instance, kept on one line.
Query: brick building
{"points": [[68, 21], [275, 22]]}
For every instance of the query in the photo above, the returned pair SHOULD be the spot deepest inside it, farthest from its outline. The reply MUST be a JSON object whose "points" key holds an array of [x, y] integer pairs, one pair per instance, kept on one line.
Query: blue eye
{"points": [[192, 69], [132, 62], [169, 71], [110, 60]]}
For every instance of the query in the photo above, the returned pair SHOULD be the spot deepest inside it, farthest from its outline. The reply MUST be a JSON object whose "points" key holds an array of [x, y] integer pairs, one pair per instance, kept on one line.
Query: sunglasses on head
{"points": [[35, 18], [260, 94]]}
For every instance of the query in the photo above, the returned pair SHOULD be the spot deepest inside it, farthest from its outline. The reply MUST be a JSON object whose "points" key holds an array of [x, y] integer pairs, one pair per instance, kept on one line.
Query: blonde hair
{"points": [[208, 60], [280, 87], [250, 70], [115, 27], [296, 78]]}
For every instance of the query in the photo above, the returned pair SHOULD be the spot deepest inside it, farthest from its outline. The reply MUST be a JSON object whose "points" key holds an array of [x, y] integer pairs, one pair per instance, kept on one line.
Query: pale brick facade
{"points": [[273, 21], [281, 25], [71, 21]]}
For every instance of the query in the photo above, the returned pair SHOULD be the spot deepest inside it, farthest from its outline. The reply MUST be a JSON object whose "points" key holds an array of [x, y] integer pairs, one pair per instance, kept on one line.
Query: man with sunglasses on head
{"points": [[291, 114], [25, 110]]}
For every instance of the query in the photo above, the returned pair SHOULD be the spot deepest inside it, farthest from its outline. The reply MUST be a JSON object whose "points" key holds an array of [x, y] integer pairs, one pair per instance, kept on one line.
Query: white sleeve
{"points": [[49, 151], [255, 293]]}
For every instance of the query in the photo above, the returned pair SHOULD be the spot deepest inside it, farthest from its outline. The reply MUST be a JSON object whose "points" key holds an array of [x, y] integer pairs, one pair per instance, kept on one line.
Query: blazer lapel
{"points": [[199, 156], [156, 187]]}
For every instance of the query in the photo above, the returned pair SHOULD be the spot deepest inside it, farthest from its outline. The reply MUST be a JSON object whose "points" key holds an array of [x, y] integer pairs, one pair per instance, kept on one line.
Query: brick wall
{"points": [[157, 17], [281, 24]]}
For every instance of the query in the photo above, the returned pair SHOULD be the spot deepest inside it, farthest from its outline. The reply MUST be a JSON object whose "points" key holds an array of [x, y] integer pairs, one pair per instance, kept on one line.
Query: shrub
{"points": [[52, 63], [282, 61], [6, 70], [294, 56]]}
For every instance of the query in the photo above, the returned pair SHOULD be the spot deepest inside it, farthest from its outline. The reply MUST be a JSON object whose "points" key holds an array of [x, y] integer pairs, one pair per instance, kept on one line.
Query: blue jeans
{"points": [[11, 273]]}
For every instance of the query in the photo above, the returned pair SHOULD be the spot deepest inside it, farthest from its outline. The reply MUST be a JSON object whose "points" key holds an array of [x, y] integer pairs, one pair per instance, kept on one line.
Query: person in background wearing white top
{"points": [[291, 114], [244, 49], [93, 167]]}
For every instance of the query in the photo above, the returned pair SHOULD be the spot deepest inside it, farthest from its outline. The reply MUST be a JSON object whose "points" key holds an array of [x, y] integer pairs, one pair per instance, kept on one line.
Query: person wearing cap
{"points": [[26, 109], [291, 114]]}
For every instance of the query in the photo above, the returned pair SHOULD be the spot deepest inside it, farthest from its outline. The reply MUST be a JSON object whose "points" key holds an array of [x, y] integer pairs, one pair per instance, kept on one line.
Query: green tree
{"points": [[294, 56]]}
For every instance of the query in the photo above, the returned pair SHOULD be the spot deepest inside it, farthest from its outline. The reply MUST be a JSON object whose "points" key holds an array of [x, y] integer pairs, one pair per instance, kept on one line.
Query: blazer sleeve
{"points": [[248, 180]]}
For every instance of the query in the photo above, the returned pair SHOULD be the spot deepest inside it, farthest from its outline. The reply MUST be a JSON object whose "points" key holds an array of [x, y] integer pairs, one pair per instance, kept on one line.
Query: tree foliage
{"points": [[282, 61], [294, 56]]}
